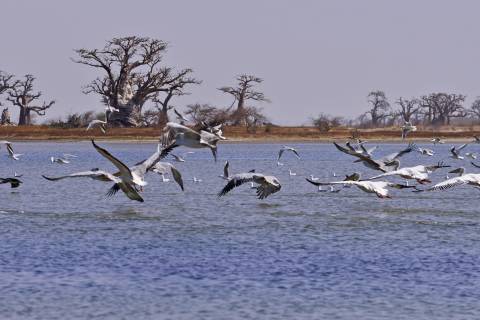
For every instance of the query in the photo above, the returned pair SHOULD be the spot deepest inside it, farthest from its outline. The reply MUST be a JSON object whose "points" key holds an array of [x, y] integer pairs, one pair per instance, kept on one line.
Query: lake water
{"points": [[68, 252]]}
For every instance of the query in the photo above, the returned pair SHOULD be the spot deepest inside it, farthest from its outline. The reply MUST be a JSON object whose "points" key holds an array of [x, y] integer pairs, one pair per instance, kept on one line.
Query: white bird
{"points": [[225, 175], [437, 140], [313, 178], [182, 157], [196, 180], [59, 160], [377, 187], [98, 123], [126, 179], [472, 179], [162, 168], [425, 151], [471, 155], [11, 153], [111, 109], [267, 185], [455, 151], [407, 128], [163, 177], [287, 148], [179, 135], [290, 173], [418, 173]]}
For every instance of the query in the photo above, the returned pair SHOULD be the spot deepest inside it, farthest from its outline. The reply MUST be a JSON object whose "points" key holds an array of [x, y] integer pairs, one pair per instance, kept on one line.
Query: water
{"points": [[67, 252]]}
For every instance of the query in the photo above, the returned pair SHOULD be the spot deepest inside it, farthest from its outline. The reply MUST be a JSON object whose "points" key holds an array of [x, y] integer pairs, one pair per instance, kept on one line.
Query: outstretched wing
{"points": [[124, 170], [266, 189], [177, 176], [238, 180], [98, 175], [225, 169], [143, 166], [448, 184], [393, 156]]}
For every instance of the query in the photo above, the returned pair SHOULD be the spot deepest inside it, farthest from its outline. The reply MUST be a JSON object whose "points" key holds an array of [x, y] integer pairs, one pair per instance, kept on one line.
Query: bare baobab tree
{"points": [[242, 93], [407, 108], [22, 95], [379, 107], [474, 110], [5, 82], [133, 75], [441, 107]]}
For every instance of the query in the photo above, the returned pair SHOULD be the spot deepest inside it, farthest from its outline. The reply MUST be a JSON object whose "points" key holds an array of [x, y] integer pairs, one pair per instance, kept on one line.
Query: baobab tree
{"points": [[5, 82], [21, 94], [474, 110], [379, 107], [133, 75], [407, 108], [242, 93], [441, 107]]}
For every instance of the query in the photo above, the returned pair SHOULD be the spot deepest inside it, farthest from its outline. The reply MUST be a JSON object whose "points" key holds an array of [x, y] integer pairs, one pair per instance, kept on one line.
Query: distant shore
{"points": [[237, 134]]}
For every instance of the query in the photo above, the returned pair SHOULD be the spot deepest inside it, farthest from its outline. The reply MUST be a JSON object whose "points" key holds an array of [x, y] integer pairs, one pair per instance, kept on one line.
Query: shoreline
{"points": [[236, 135]]}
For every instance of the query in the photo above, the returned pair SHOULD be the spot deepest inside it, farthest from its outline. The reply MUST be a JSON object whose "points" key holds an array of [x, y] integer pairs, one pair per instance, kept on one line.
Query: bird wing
{"points": [[295, 152], [98, 174], [10, 149], [171, 131], [225, 169], [143, 166], [347, 151], [128, 189], [237, 180], [266, 189], [462, 146], [124, 170], [280, 154], [396, 155], [448, 184], [317, 183], [177, 176]]}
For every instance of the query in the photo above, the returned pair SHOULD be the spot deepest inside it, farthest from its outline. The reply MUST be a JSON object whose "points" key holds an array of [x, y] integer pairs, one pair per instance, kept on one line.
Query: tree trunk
{"points": [[22, 119], [128, 115]]}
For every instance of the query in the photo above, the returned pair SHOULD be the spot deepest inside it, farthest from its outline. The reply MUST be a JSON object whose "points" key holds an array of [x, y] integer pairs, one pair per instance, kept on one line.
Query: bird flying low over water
{"points": [[162, 169], [377, 187], [267, 185], [14, 182], [287, 148], [129, 180], [419, 173], [425, 151], [178, 135], [11, 153], [472, 179]]}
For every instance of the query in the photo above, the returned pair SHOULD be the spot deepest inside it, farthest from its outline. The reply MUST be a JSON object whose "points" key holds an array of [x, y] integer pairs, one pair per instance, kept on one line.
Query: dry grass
{"points": [[233, 133]]}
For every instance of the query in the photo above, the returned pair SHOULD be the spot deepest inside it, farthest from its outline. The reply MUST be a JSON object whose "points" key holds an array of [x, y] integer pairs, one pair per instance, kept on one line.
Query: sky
{"points": [[314, 56]]}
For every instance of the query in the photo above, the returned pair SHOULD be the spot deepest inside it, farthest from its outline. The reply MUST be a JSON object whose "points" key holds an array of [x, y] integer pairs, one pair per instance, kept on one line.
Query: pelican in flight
{"points": [[267, 185], [129, 180], [472, 179], [377, 187], [385, 164], [179, 135], [455, 151], [287, 148], [11, 153], [14, 182], [419, 173], [407, 128], [162, 169]]}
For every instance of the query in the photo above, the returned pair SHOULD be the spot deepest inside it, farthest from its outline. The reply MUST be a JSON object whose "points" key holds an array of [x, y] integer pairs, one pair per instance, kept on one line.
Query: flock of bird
{"points": [[132, 180]]}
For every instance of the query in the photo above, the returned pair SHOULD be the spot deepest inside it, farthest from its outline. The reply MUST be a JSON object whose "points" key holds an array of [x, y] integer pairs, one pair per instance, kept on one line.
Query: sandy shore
{"points": [[235, 134]]}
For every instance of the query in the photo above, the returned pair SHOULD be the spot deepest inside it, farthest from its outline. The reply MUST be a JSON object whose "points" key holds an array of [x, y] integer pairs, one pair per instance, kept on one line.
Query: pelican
{"points": [[472, 179], [225, 171], [419, 173], [377, 187], [456, 152], [267, 184], [162, 169], [182, 157], [126, 179], [437, 140], [179, 135], [14, 182], [407, 128], [11, 153], [287, 148], [385, 164]]}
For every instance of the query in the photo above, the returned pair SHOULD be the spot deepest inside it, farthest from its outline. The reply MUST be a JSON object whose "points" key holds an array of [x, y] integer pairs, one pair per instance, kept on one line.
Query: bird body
{"points": [[267, 185], [419, 173]]}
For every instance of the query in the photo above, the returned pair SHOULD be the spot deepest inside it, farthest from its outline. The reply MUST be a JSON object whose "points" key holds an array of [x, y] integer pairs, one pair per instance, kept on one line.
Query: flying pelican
{"points": [[377, 187], [287, 148], [182, 157], [14, 182], [419, 173], [407, 128], [162, 169], [385, 164], [267, 184], [179, 135], [437, 140], [126, 179], [472, 179], [456, 152], [11, 153], [225, 175]]}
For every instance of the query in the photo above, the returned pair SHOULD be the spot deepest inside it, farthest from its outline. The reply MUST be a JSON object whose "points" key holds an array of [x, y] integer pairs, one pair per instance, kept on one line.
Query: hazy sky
{"points": [[314, 56]]}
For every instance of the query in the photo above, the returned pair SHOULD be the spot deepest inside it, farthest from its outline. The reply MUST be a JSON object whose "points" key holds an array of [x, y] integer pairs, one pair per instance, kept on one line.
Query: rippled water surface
{"points": [[67, 251]]}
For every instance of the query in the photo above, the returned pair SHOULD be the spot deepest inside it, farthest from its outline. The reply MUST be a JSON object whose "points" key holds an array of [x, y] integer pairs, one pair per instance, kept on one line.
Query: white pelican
{"points": [[472, 179], [11, 153], [455, 151], [287, 148], [267, 184], [377, 187], [111, 109], [407, 128], [14, 182], [419, 173], [179, 135]]}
